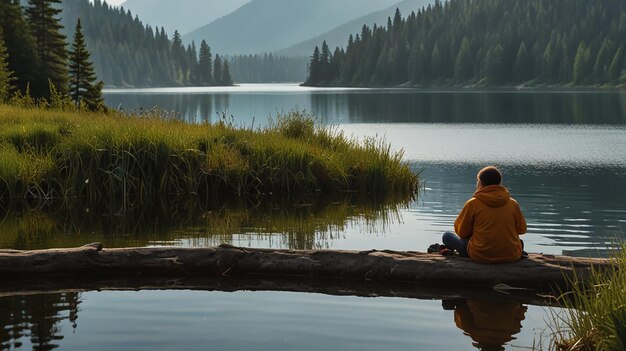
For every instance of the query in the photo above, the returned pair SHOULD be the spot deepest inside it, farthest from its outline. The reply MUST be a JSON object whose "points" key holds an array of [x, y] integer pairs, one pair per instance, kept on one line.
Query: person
{"points": [[490, 324], [489, 226]]}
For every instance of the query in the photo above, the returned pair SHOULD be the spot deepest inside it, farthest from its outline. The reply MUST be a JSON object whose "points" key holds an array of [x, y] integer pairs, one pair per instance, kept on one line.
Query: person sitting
{"points": [[489, 226]]}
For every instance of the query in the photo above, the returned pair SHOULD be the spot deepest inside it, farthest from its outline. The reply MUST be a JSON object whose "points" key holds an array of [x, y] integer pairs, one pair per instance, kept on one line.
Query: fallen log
{"points": [[537, 272]]}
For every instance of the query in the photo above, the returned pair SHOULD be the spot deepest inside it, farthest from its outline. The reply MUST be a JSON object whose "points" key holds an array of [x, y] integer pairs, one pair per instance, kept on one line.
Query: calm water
{"points": [[338, 105], [563, 156]]}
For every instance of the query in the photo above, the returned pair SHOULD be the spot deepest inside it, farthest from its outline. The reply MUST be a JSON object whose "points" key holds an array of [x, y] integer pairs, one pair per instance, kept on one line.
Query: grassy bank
{"points": [[49, 155], [596, 318]]}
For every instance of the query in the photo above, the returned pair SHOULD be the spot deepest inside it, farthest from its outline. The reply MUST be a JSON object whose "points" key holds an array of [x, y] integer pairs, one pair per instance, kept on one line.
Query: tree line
{"points": [[128, 53], [484, 42], [263, 68], [35, 61]]}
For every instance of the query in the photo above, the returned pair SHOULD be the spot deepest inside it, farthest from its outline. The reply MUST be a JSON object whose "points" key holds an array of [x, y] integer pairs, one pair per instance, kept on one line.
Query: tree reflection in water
{"points": [[37, 318]]}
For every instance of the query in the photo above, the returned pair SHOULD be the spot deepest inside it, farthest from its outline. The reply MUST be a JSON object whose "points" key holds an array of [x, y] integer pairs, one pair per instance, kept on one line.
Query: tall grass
{"points": [[595, 318], [76, 157]]}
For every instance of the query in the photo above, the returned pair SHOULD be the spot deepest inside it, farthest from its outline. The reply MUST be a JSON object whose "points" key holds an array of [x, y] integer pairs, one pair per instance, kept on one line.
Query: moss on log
{"points": [[537, 272]]}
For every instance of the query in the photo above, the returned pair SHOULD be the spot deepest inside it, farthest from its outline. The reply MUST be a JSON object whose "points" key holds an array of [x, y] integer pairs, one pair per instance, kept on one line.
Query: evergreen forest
{"points": [[128, 53], [265, 68], [35, 62], [484, 43]]}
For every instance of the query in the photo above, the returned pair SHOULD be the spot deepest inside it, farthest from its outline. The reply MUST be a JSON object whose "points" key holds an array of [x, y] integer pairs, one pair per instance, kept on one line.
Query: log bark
{"points": [[539, 272]]}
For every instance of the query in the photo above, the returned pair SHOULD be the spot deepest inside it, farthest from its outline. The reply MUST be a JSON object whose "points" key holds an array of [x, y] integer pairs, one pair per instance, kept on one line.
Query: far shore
{"points": [[276, 87]]}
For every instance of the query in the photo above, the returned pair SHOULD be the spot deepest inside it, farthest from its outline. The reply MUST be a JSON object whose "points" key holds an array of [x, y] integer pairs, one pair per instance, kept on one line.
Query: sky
{"points": [[115, 2]]}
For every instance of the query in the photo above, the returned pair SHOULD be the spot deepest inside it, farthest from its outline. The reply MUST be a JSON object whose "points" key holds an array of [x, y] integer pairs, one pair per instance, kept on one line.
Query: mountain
{"points": [[181, 15], [339, 36], [270, 25]]}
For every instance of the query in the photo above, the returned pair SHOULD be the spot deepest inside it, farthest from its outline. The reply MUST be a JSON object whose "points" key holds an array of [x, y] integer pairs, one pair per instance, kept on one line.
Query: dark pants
{"points": [[454, 242]]}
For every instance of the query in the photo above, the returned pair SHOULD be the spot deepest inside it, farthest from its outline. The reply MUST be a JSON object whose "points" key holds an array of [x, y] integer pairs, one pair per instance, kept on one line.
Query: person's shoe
{"points": [[434, 248], [444, 251]]}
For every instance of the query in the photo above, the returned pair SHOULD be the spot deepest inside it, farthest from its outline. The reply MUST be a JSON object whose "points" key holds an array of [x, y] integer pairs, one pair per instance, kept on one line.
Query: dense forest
{"points": [[128, 53], [265, 68], [485, 43], [35, 61]]}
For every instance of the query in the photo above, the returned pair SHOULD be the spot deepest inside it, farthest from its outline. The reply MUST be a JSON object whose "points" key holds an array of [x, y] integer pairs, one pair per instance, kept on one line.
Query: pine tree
{"points": [[20, 44], [180, 58], [436, 63], [217, 69], [522, 68], [495, 63], [192, 60], [581, 63], [83, 87], [94, 100], [50, 46], [603, 61], [315, 68], [205, 64], [463, 66], [615, 69], [227, 79], [6, 75], [334, 66]]}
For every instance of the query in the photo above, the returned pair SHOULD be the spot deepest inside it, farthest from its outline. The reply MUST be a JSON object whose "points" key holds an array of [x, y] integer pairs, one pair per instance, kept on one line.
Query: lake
{"points": [[563, 155]]}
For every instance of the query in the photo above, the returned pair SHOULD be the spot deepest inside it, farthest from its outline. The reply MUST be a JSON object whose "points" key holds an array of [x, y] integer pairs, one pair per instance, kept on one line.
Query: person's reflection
{"points": [[490, 324]]}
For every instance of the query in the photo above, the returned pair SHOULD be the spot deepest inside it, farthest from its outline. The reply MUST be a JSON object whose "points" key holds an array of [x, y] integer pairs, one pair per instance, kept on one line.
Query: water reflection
{"points": [[34, 321], [473, 107], [191, 108], [303, 223], [233, 320], [491, 324], [257, 102]]}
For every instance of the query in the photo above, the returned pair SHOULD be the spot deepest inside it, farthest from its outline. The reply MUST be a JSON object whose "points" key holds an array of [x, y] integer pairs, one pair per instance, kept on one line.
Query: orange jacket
{"points": [[491, 324], [492, 221]]}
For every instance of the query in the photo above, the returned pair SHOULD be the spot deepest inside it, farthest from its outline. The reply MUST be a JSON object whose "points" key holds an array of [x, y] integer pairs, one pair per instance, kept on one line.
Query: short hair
{"points": [[489, 176]]}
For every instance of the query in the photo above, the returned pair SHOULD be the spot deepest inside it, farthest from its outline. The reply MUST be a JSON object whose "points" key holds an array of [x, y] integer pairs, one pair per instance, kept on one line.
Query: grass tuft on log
{"points": [[78, 156]]}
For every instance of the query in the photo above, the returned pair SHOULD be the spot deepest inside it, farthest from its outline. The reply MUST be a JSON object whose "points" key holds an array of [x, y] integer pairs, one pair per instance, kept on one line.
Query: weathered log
{"points": [[537, 272]]}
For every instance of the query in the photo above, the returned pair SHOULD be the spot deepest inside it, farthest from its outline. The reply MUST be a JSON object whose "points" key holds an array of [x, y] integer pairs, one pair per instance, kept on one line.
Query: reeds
{"points": [[82, 157], [595, 318]]}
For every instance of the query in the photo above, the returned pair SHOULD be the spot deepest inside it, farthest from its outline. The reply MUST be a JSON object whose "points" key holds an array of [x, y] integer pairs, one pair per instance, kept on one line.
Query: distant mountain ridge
{"points": [[271, 25], [338, 37], [181, 15]]}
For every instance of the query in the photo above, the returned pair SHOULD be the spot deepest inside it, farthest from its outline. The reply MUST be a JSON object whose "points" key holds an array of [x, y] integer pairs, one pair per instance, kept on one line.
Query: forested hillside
{"points": [[268, 68], [485, 42], [128, 53], [339, 35]]}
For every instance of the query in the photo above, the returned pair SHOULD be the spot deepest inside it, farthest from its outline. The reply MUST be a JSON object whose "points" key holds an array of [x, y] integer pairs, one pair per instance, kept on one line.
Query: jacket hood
{"points": [[493, 195]]}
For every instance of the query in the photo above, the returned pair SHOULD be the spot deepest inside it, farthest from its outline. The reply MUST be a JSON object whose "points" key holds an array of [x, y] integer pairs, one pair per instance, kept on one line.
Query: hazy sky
{"points": [[114, 2]]}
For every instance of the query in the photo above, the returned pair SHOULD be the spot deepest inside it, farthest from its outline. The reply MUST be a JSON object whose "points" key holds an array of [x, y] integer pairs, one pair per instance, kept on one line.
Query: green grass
{"points": [[82, 157], [595, 318]]}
